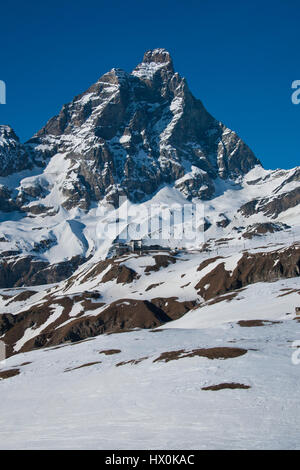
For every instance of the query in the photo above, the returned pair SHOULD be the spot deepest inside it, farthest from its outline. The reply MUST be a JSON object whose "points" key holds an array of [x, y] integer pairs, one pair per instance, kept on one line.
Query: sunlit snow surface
{"points": [[162, 405]]}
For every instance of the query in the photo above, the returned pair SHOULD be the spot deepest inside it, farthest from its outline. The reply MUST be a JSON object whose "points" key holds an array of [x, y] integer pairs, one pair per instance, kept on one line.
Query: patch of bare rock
{"points": [[251, 268], [209, 353], [7, 374], [89, 364], [131, 361], [110, 352], [253, 323], [225, 385], [161, 261]]}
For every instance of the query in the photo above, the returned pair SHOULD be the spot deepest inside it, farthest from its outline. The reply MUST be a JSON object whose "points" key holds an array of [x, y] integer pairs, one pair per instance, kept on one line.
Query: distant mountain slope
{"points": [[143, 136]]}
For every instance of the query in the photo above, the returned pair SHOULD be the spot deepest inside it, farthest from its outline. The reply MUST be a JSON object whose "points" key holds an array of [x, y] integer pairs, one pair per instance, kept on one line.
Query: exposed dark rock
{"points": [[174, 308], [37, 209], [7, 204], [44, 245], [110, 352], [226, 385], [152, 286], [161, 261], [7, 374], [124, 314], [13, 155], [7, 321], [263, 228], [272, 206], [132, 361], [251, 268], [121, 273], [17, 271], [56, 272], [89, 364], [121, 315], [22, 296], [209, 353], [254, 323], [223, 221]]}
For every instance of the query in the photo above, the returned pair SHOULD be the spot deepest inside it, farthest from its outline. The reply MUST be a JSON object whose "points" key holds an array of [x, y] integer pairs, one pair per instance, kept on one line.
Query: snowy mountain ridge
{"points": [[142, 136]]}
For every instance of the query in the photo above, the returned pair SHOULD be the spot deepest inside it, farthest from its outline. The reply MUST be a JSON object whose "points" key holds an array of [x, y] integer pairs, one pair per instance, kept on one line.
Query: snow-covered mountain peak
{"points": [[13, 155], [159, 55], [129, 134], [6, 132], [153, 61], [115, 75]]}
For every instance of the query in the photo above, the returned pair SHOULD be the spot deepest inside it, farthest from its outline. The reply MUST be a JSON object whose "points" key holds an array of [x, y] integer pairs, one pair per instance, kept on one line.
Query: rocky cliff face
{"points": [[13, 155], [131, 133]]}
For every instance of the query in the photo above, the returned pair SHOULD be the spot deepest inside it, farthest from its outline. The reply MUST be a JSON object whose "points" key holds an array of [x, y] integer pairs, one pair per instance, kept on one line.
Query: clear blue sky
{"points": [[239, 57]]}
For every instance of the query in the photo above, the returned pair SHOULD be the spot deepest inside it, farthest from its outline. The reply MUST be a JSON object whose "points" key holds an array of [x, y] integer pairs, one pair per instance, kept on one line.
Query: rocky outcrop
{"points": [[16, 271], [7, 204], [121, 273], [272, 206], [14, 156], [252, 267], [223, 221], [160, 261], [264, 228], [173, 307], [122, 315]]}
